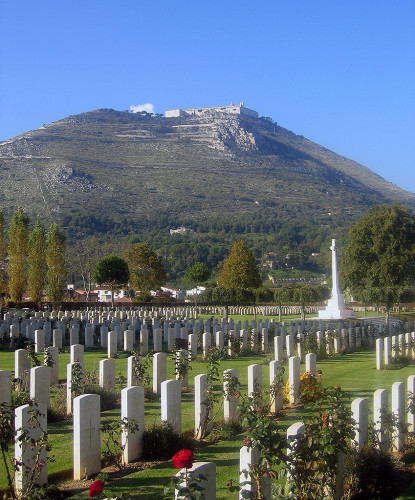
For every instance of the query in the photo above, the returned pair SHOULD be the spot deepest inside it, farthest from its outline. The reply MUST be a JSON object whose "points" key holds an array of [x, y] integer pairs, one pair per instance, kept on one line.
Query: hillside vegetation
{"points": [[132, 177]]}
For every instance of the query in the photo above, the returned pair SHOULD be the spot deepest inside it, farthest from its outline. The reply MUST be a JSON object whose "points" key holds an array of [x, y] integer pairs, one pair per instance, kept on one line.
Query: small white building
{"points": [[180, 230], [104, 294], [195, 291]]}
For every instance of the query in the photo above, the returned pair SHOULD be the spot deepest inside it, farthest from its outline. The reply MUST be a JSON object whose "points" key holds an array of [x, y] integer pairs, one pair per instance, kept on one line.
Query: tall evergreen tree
{"points": [[3, 280], [55, 260], [37, 263], [17, 250]]}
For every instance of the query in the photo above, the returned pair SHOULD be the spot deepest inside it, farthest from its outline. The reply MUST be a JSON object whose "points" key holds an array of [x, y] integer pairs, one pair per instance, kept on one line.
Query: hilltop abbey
{"points": [[238, 109]]}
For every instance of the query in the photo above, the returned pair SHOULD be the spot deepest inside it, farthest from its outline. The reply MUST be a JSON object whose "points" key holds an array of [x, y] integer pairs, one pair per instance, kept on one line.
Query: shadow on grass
{"points": [[61, 427], [214, 451]]}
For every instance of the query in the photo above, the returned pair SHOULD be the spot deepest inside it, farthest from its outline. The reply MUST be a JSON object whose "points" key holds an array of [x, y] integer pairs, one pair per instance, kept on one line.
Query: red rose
{"points": [[183, 459], [96, 488], [319, 372]]}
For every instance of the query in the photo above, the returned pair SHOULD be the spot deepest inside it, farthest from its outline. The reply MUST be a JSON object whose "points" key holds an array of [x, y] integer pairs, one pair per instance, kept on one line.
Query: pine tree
{"points": [[17, 251], [37, 263], [55, 260], [239, 268], [112, 271]]}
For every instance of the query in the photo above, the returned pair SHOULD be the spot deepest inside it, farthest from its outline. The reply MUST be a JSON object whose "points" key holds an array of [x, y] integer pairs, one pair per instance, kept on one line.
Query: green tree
{"points": [[379, 255], [37, 263], [146, 268], [55, 260], [17, 251], [239, 269], [196, 275], [3, 280], [112, 272]]}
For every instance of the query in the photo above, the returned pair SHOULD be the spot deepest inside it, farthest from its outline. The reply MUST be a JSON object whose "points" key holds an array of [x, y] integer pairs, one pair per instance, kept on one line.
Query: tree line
{"points": [[31, 260]]}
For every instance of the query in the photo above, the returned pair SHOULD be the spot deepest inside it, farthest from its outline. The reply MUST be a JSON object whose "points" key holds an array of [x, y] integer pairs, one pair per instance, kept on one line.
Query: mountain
{"points": [[138, 175]]}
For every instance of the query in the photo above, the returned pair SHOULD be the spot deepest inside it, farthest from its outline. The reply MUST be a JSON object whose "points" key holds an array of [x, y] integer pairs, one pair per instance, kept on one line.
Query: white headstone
{"points": [[132, 410], [171, 404], [159, 371], [107, 374], [30, 423], [86, 436]]}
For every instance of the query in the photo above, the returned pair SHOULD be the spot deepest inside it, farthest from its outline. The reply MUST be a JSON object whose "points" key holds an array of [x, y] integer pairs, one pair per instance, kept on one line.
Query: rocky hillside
{"points": [[127, 173]]}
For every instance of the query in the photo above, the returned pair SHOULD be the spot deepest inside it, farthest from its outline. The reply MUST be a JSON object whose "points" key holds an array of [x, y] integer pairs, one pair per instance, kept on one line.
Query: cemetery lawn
{"points": [[354, 372]]}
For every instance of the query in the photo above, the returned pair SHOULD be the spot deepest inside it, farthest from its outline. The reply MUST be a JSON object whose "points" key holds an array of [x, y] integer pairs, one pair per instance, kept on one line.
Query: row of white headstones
{"points": [[86, 411], [42, 377], [86, 420]]}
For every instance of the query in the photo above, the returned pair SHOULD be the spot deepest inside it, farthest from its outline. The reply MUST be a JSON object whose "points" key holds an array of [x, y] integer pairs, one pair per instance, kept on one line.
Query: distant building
{"points": [[104, 295], [175, 293], [180, 230], [238, 109], [80, 295], [195, 291]]}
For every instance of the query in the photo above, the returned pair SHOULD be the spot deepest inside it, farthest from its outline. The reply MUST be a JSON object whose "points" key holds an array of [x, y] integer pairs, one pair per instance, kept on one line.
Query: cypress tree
{"points": [[55, 260], [37, 263], [17, 251], [3, 281]]}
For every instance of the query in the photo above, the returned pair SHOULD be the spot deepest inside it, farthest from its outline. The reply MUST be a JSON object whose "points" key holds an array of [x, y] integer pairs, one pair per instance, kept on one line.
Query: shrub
{"points": [[371, 473], [408, 456], [310, 388], [161, 442]]}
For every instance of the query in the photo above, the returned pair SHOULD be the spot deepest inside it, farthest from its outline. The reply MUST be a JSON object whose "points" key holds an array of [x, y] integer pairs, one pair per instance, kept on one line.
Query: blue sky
{"points": [[340, 73]]}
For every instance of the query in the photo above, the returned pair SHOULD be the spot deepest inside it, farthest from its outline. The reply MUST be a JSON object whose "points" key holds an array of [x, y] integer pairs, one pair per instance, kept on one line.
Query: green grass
{"points": [[355, 373]]}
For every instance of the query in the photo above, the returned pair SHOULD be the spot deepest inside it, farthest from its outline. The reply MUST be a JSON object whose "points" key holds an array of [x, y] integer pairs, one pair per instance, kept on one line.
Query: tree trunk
{"points": [[387, 318]]}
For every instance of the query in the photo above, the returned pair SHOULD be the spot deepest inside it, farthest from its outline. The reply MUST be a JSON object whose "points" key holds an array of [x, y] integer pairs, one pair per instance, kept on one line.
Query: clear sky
{"points": [[340, 73]]}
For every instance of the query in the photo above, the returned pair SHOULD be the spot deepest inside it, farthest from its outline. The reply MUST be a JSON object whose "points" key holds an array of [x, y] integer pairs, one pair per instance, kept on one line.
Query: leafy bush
{"points": [[161, 442], [310, 388], [371, 473]]}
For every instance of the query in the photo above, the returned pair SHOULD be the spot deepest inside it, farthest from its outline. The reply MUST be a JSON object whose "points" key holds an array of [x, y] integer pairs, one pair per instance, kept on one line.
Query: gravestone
{"points": [[86, 430]]}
